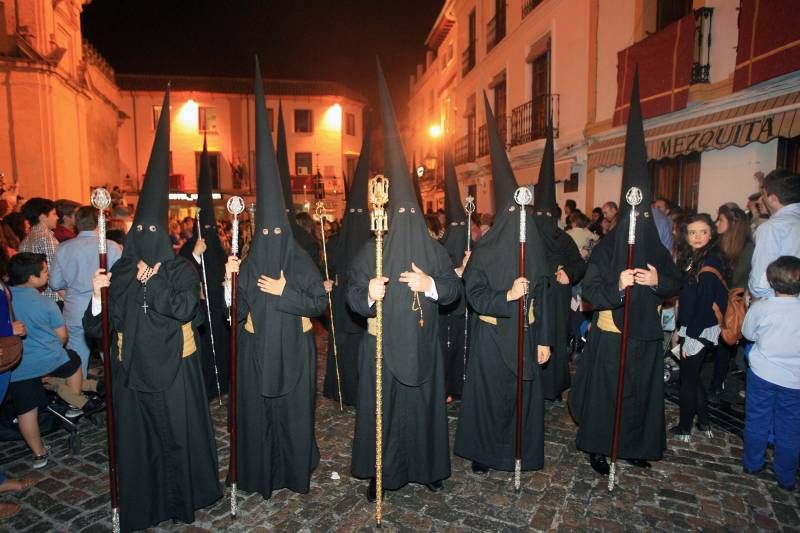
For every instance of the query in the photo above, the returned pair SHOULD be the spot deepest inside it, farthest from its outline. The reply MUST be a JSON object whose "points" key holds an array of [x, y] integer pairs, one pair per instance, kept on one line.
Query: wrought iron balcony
{"points": [[468, 59], [496, 29], [465, 149], [529, 5], [529, 120], [701, 65]]}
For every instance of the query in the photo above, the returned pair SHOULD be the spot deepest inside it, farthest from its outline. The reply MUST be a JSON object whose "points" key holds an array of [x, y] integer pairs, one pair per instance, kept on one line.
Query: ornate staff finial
{"points": [[101, 200], [235, 207], [378, 197], [634, 198]]}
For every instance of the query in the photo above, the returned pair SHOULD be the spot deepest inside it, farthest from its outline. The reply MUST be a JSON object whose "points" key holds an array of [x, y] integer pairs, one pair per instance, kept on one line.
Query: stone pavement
{"points": [[698, 486]]}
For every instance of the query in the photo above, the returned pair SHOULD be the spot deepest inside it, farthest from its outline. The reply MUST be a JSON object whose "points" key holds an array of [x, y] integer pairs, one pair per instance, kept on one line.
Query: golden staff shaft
{"points": [[379, 385], [330, 307]]}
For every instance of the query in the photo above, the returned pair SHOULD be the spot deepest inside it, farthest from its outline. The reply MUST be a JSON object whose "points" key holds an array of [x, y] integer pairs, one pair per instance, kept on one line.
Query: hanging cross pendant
{"points": [[144, 306], [421, 323]]}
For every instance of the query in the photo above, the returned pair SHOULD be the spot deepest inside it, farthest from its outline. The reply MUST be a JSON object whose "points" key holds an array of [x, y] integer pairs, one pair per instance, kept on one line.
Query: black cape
{"points": [[166, 450]]}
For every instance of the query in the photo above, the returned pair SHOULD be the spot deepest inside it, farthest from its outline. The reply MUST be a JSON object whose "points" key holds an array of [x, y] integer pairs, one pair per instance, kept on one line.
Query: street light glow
{"points": [[187, 116], [435, 131], [333, 118]]}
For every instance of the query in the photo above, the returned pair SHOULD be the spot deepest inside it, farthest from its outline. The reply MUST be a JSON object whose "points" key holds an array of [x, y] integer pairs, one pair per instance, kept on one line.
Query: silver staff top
{"points": [[469, 205], [523, 196], [634, 198], [101, 199], [235, 205]]}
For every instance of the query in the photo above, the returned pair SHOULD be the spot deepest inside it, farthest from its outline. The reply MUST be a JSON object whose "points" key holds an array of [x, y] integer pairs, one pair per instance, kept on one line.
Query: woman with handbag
{"points": [[704, 268], [9, 358]]}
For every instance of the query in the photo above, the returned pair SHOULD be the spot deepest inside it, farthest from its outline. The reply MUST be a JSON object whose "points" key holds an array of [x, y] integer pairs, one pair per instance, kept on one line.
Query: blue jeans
{"points": [[772, 408]]}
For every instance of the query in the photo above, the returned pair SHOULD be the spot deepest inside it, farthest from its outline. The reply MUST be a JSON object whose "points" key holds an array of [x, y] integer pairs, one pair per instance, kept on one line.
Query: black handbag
{"points": [[11, 346]]}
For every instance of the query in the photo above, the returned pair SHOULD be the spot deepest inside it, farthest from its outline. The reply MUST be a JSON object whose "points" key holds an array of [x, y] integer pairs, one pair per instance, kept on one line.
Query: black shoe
{"points": [[599, 463], [101, 388], [639, 463], [681, 434], [436, 486], [705, 429], [372, 491], [93, 405], [479, 468]]}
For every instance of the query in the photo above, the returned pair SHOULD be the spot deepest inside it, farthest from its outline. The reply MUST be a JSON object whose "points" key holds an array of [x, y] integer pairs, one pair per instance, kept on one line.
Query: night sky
{"points": [[295, 39]]}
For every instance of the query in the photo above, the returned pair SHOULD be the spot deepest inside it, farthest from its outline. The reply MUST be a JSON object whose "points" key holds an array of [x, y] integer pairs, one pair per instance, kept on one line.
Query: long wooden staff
{"points": [[379, 196], [634, 198], [208, 310], [320, 211], [101, 200], [235, 206], [523, 197], [469, 208]]}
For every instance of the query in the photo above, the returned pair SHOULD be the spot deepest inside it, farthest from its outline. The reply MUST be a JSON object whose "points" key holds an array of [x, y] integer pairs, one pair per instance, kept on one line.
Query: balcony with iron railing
{"points": [[529, 120], [529, 5], [701, 64], [468, 59], [483, 135], [496, 30], [465, 149]]}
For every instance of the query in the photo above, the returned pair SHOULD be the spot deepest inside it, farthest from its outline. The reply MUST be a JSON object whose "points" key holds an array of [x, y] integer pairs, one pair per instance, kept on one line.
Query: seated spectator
{"points": [[773, 380], [65, 227], [43, 354]]}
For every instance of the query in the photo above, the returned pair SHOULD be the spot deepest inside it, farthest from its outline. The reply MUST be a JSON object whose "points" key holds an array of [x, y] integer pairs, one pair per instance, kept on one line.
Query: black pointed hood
{"points": [[453, 208], [503, 180], [273, 232], [282, 154], [205, 201], [394, 162], [613, 249], [278, 337], [148, 238], [545, 197], [407, 345]]}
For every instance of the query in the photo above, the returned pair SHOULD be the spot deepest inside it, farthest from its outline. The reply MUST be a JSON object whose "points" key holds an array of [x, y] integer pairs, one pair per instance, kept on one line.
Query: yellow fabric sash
{"points": [[189, 344], [248, 325]]}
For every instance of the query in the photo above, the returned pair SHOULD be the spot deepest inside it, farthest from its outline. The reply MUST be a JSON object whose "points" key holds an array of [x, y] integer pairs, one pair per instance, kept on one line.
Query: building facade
{"points": [[69, 122], [718, 86]]}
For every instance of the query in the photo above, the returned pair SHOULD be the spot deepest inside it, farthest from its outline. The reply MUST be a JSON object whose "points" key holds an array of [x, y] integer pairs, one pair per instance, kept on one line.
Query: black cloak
{"points": [[415, 420], [277, 353], [593, 394], [166, 453], [486, 428], [560, 252], [216, 360]]}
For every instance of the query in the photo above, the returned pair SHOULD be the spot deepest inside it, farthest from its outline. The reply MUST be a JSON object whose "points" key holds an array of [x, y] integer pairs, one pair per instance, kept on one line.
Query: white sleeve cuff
{"points": [[197, 258], [97, 306], [432, 293]]}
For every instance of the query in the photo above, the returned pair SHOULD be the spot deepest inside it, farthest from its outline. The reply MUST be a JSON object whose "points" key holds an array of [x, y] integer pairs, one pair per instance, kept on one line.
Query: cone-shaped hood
{"points": [[648, 248], [394, 162], [273, 232], [545, 197], [148, 238], [204, 191], [454, 209], [282, 155], [503, 180], [415, 180], [357, 198]]}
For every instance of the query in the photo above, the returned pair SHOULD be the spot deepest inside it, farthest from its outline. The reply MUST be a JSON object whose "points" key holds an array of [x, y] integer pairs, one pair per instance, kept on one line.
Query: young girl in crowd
{"points": [[704, 267], [773, 379]]}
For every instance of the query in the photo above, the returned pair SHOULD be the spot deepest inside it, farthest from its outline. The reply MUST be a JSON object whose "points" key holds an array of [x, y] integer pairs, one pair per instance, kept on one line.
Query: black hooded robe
{"points": [[350, 330], [594, 389], [452, 319], [560, 252], [166, 450], [219, 321], [487, 424], [415, 435]]}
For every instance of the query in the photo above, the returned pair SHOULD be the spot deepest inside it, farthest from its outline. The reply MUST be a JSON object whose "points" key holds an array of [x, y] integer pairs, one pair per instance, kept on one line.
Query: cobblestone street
{"points": [[697, 486]]}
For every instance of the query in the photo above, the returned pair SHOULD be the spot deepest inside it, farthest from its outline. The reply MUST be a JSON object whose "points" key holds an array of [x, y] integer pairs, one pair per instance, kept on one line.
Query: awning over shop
{"points": [[760, 121]]}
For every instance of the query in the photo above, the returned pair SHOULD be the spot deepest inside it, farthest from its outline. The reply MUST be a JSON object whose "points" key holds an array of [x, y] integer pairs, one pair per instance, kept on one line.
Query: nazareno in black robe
{"points": [[415, 435], [594, 389], [560, 251], [350, 327], [166, 453], [276, 349], [487, 424]]}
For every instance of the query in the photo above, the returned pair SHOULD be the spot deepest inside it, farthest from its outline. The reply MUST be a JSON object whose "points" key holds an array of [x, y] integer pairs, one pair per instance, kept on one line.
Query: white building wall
{"points": [[727, 175]]}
